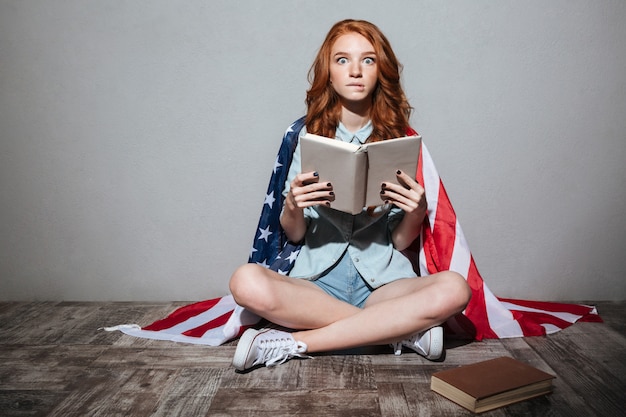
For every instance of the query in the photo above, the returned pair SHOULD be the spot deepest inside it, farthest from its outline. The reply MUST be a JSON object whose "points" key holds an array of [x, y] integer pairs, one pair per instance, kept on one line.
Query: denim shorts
{"points": [[344, 282]]}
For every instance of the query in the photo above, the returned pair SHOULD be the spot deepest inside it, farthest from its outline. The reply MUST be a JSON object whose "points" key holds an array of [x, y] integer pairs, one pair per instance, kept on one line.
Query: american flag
{"points": [[441, 246]]}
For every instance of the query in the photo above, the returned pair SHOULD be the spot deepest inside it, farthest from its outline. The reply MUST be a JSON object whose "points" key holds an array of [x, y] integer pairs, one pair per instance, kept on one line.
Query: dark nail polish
{"points": [[398, 172], [332, 193], [329, 185], [315, 174]]}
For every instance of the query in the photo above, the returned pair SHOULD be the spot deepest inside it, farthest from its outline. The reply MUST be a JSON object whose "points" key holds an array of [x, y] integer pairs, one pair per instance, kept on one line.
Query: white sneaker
{"points": [[266, 346], [429, 343]]}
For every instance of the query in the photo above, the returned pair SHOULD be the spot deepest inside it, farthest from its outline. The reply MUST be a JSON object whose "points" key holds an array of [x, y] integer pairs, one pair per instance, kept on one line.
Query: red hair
{"points": [[390, 109]]}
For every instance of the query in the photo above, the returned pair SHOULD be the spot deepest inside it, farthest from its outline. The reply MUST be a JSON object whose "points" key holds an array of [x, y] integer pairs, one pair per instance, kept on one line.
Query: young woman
{"points": [[350, 286]]}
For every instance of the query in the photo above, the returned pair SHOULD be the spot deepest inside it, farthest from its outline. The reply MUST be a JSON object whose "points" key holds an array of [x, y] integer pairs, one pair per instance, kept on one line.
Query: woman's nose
{"points": [[355, 70]]}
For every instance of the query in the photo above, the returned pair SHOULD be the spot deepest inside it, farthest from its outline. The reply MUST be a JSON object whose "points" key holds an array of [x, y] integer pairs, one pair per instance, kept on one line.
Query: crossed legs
{"points": [[391, 313]]}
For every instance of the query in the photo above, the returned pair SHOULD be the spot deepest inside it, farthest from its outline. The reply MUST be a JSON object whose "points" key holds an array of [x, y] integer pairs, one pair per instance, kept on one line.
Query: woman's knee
{"points": [[255, 287], [457, 290], [246, 284]]}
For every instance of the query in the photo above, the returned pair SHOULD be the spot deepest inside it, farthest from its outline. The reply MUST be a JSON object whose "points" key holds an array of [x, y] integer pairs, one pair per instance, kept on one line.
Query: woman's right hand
{"points": [[306, 191]]}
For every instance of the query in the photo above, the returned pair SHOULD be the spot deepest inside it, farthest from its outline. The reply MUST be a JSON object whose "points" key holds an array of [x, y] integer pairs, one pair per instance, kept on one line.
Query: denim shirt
{"points": [[366, 237]]}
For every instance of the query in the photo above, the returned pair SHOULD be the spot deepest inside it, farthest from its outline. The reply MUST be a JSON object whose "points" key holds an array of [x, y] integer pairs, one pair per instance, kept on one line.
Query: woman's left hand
{"points": [[408, 195]]}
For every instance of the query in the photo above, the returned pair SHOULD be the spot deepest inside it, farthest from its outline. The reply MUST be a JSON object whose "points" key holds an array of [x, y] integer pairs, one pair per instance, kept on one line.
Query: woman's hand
{"points": [[411, 198], [306, 191], [407, 195]]}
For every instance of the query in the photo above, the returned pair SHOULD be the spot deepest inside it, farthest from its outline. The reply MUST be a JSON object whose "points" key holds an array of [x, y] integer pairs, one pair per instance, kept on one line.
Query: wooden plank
{"points": [[280, 377], [336, 372], [613, 313], [190, 393], [165, 355], [321, 372], [115, 392], [405, 373], [7, 307], [423, 402], [393, 400], [20, 403], [459, 353], [46, 367], [313, 403], [14, 327], [51, 323], [597, 376]]}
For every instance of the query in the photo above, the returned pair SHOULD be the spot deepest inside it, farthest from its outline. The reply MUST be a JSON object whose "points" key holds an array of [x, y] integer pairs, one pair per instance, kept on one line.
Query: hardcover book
{"points": [[491, 384], [357, 171]]}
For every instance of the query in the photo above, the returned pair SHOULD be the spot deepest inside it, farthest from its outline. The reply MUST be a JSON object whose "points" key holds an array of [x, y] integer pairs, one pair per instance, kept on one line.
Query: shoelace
{"points": [[412, 343], [277, 351]]}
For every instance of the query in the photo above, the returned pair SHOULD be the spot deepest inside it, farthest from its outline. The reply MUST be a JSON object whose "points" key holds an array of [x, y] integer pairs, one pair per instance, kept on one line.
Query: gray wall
{"points": [[137, 137]]}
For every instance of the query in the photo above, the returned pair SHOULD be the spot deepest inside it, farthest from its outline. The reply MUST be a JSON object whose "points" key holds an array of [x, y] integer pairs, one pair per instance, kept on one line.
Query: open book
{"points": [[357, 171]]}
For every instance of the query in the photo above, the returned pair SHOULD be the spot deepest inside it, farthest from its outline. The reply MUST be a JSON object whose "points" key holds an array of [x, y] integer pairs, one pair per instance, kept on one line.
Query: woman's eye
{"points": [[369, 61], [342, 60]]}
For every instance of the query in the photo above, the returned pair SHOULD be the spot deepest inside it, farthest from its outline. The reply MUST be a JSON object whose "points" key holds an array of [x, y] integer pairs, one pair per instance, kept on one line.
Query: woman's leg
{"points": [[393, 312], [289, 302]]}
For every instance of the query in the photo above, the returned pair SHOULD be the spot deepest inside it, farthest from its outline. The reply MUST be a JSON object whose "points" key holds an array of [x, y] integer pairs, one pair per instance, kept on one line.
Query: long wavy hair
{"points": [[390, 110]]}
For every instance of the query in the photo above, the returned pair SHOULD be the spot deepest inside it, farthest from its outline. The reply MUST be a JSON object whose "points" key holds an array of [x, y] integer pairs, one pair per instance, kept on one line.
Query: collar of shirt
{"points": [[359, 136]]}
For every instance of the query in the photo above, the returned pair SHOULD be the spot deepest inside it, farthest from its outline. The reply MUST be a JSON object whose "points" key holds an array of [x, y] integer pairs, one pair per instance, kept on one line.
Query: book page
{"points": [[385, 158], [340, 163]]}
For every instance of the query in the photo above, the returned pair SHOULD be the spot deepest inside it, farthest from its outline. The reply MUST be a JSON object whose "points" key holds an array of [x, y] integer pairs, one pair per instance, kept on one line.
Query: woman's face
{"points": [[353, 72]]}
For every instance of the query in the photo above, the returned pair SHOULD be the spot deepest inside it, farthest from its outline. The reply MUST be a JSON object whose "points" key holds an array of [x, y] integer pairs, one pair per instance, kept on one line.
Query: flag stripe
{"points": [[444, 230], [476, 309], [182, 314], [196, 317], [532, 319], [574, 309], [202, 329]]}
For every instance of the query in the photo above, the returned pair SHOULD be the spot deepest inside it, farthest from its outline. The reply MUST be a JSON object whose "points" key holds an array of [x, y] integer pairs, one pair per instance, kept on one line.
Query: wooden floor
{"points": [[54, 362]]}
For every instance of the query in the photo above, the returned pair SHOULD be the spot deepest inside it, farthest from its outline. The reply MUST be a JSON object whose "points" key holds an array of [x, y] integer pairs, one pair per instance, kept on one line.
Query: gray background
{"points": [[137, 137]]}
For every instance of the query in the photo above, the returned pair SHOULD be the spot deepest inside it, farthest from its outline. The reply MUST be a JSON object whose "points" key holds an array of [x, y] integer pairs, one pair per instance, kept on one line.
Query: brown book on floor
{"points": [[491, 384]]}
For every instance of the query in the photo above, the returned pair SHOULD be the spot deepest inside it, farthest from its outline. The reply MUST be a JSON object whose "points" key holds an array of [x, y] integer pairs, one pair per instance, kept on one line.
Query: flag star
{"points": [[277, 164], [252, 250], [282, 272], [265, 233], [292, 256], [263, 264], [269, 199]]}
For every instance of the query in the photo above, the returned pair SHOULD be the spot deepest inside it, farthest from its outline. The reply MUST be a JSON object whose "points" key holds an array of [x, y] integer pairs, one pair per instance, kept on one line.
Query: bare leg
{"points": [[289, 302], [392, 312]]}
